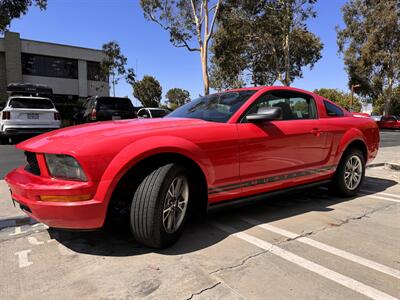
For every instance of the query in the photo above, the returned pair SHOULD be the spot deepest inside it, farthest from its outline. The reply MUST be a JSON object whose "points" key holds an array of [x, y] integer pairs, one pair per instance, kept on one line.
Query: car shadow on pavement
{"points": [[118, 241]]}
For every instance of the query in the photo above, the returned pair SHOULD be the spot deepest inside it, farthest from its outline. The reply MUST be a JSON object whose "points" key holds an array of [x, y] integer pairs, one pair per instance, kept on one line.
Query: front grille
{"points": [[32, 166]]}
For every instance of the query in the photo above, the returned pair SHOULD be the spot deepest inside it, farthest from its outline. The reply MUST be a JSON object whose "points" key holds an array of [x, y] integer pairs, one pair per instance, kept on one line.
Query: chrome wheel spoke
{"points": [[166, 213], [353, 172], [175, 204]]}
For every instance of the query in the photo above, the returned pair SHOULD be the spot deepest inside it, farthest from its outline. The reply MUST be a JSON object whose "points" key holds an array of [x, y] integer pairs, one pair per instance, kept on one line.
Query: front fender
{"points": [[143, 148]]}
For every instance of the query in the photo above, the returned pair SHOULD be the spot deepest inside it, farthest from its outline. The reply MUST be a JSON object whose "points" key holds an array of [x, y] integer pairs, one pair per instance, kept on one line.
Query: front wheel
{"points": [[350, 173], [160, 206]]}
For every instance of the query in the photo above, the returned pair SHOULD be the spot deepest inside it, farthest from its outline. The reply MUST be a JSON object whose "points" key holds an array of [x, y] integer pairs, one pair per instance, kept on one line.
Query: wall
{"points": [[3, 79], [98, 88], [59, 85]]}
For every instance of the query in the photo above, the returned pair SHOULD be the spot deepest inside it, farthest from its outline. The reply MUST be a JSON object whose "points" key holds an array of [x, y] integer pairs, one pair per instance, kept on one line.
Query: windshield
{"points": [[215, 108], [123, 104], [34, 103]]}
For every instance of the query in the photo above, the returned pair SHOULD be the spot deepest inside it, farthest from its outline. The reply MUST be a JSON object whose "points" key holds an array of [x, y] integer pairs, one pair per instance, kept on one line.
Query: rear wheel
{"points": [[350, 173], [160, 206]]}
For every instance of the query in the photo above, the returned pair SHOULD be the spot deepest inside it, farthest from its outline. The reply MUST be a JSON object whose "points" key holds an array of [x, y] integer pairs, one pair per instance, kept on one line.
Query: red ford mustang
{"points": [[222, 148]]}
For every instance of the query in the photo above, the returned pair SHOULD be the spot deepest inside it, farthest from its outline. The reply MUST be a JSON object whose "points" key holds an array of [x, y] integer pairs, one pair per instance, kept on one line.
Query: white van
{"points": [[26, 115]]}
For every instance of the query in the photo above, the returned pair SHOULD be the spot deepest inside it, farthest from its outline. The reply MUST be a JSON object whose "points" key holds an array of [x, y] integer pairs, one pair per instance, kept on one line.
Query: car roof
{"points": [[155, 108], [270, 87], [29, 97]]}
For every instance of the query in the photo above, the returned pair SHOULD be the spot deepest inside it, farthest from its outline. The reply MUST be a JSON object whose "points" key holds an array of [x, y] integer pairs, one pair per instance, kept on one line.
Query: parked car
{"points": [[105, 109], [229, 147], [389, 122], [26, 115], [149, 112]]}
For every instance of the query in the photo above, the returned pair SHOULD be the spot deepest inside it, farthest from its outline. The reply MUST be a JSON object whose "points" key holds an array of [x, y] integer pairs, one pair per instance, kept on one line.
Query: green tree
{"points": [[339, 97], [261, 42], [113, 63], [130, 76], [11, 9], [370, 43], [186, 20], [148, 91], [394, 104], [177, 97]]}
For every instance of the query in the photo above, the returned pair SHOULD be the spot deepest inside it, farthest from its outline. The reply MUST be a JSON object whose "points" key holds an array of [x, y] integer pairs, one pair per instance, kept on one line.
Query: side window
{"points": [[295, 106], [333, 110], [143, 113]]}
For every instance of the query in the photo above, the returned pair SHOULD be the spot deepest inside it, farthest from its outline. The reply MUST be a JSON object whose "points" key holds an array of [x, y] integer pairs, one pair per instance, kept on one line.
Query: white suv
{"points": [[24, 115]]}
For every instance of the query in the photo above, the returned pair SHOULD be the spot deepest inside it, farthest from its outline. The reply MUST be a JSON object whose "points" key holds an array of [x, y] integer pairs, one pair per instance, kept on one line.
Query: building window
{"points": [[94, 71], [48, 66]]}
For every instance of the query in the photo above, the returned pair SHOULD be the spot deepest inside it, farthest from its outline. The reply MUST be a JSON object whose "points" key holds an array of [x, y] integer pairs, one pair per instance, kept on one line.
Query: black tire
{"points": [[146, 215], [339, 185]]}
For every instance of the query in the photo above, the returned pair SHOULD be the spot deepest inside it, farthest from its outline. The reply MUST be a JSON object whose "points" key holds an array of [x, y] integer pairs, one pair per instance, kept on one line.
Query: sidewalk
{"points": [[389, 157]]}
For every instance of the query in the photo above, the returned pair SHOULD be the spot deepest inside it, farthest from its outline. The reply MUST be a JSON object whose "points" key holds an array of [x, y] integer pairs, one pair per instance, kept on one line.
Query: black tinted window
{"points": [[41, 65], [114, 104], [31, 103], [216, 108], [94, 71], [388, 119], [158, 113], [333, 110]]}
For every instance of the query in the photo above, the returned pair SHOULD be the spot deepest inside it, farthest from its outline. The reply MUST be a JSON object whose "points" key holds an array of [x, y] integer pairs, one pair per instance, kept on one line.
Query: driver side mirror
{"points": [[266, 114]]}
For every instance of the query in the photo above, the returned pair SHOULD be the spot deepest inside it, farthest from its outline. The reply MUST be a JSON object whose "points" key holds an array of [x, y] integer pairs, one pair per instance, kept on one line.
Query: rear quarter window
{"points": [[332, 110]]}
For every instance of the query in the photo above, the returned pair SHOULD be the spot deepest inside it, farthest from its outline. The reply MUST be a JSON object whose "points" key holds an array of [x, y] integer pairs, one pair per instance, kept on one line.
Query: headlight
{"points": [[64, 167]]}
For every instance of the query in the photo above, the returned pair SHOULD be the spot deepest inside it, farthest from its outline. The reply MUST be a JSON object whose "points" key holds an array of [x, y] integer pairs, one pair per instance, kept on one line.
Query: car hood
{"points": [[114, 134]]}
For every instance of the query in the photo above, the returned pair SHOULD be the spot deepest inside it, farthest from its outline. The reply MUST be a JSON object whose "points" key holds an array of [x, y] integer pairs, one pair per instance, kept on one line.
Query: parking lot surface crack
{"points": [[203, 290], [242, 262], [338, 224]]}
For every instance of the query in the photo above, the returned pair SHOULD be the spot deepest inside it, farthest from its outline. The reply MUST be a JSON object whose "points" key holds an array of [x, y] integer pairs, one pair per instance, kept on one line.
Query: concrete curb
{"points": [[17, 221], [375, 165], [393, 165]]}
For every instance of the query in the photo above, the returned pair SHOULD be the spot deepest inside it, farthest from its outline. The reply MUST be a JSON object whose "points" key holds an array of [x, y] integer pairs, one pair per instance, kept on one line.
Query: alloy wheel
{"points": [[175, 204], [353, 172]]}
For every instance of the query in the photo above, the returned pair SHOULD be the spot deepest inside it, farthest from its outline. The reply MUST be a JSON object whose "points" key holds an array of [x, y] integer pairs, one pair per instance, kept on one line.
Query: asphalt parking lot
{"points": [[307, 245]]}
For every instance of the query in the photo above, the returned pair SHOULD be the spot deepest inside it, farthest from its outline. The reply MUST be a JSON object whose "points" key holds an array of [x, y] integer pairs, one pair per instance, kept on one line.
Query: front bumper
{"points": [[27, 188]]}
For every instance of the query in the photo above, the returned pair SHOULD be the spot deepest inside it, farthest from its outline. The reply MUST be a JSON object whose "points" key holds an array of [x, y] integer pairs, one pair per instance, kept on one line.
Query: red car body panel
{"points": [[237, 159]]}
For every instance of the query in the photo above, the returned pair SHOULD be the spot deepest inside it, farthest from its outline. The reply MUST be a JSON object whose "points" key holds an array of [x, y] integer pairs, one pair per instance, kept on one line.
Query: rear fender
{"points": [[353, 134]]}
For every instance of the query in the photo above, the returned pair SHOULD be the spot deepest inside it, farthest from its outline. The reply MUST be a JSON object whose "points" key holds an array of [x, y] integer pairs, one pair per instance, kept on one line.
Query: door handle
{"points": [[316, 131]]}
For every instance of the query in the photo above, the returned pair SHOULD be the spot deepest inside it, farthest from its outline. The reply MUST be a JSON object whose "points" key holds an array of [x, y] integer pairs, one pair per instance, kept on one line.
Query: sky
{"points": [[91, 23]]}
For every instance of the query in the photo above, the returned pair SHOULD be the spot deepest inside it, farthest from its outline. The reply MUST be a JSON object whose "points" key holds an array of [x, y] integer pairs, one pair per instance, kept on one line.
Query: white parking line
{"points": [[18, 231], [381, 193], [23, 258], [309, 265], [379, 197], [335, 251]]}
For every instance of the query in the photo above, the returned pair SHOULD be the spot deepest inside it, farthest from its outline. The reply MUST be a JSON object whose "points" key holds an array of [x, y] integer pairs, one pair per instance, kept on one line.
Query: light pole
{"points": [[353, 86]]}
